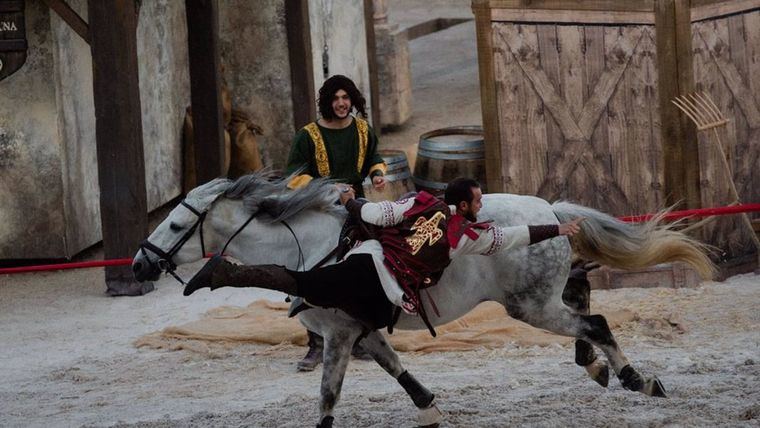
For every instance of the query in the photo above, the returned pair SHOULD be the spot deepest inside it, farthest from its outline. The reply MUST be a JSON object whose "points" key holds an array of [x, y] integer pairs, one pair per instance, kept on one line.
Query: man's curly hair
{"points": [[328, 90]]}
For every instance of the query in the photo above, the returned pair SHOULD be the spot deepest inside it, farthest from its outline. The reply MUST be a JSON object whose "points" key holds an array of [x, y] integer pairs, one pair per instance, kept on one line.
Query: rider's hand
{"points": [[571, 228], [378, 182], [346, 193]]}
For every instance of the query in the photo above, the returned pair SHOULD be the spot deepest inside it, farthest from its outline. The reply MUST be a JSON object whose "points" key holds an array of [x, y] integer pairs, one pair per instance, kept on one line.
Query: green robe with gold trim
{"points": [[338, 155]]}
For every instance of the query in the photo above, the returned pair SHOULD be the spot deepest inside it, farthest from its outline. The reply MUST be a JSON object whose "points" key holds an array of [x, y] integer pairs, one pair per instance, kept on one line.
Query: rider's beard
{"points": [[470, 216]]}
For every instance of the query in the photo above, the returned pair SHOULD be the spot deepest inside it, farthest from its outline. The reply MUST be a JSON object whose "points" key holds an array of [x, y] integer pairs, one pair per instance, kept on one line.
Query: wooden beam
{"points": [[432, 26], [118, 132], [374, 85], [575, 17], [710, 9], [605, 5], [488, 101], [205, 88], [301, 63], [676, 77], [70, 17]]}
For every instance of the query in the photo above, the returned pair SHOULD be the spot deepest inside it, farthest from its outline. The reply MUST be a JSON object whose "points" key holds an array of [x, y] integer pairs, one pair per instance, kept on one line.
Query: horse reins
{"points": [[165, 262]]}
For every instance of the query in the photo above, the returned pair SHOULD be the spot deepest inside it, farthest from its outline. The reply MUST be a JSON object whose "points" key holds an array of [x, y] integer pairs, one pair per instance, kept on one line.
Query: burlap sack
{"points": [[245, 157], [189, 181]]}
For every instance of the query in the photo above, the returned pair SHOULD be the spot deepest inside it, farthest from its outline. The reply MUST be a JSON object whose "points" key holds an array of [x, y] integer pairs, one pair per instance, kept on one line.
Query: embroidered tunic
{"points": [[348, 154], [480, 238]]}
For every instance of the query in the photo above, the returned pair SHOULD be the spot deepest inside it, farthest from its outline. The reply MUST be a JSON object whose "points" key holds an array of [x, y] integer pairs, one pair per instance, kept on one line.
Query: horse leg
{"points": [[577, 295], [428, 414], [337, 353], [594, 329]]}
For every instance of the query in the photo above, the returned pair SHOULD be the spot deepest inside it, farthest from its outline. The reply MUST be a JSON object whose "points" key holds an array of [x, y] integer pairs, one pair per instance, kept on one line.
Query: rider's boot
{"points": [[314, 355], [218, 272]]}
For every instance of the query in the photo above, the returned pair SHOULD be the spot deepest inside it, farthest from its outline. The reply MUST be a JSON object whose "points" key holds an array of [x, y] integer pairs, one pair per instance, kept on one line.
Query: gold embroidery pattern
{"points": [[363, 128], [320, 153], [425, 230]]}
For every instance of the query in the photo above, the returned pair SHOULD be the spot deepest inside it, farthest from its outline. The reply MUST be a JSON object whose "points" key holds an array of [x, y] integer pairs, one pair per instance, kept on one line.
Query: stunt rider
{"points": [[417, 240]]}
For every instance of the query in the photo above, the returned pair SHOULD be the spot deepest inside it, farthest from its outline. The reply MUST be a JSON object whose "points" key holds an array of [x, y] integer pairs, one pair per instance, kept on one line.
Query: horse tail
{"points": [[612, 242]]}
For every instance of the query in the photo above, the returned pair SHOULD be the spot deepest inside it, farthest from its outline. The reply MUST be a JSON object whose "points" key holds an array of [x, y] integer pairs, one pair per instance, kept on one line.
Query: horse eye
{"points": [[175, 227]]}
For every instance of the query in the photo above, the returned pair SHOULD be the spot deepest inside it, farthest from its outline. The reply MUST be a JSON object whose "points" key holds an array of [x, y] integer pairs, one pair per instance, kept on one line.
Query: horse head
{"points": [[179, 238], [255, 206]]}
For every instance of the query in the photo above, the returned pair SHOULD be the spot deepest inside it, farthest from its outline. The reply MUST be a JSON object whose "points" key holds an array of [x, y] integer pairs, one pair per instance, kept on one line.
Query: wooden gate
{"points": [[576, 103]]}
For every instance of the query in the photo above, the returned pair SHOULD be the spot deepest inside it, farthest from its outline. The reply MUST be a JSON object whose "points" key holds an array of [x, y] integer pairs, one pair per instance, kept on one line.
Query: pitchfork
{"points": [[705, 114], [701, 109]]}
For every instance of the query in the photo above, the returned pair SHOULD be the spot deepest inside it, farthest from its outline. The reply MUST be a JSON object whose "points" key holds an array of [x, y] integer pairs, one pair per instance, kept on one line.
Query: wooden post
{"points": [[118, 132], [301, 63], [676, 77], [205, 88], [374, 88], [491, 131], [69, 15]]}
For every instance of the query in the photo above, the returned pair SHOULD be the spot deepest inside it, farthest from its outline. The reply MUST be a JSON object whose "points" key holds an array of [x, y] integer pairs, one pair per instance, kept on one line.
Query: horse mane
{"points": [[262, 192]]}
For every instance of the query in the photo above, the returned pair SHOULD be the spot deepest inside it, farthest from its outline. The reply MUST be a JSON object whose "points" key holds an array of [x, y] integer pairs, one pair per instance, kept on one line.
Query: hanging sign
{"points": [[13, 43]]}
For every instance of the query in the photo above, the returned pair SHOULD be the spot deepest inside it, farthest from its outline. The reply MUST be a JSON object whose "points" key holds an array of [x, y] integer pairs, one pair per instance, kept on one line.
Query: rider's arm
{"points": [[494, 239], [385, 213]]}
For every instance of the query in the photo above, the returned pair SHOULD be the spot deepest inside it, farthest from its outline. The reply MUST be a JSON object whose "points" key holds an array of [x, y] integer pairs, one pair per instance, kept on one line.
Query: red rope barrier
{"points": [[61, 266], [699, 212], [75, 265], [673, 215]]}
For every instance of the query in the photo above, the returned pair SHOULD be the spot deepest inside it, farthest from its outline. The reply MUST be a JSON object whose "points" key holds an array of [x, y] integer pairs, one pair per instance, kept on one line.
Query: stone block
{"points": [[394, 75]]}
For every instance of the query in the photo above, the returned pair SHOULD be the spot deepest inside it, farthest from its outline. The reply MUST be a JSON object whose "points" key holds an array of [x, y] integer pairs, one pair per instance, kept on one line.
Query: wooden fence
{"points": [[576, 100]]}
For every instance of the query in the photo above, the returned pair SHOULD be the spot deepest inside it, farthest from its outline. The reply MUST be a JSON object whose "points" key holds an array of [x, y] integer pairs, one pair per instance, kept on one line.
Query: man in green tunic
{"points": [[339, 146]]}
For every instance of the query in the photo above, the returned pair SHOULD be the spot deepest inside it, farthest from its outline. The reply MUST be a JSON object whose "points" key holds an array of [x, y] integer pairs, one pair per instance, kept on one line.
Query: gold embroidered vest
{"points": [[320, 151]]}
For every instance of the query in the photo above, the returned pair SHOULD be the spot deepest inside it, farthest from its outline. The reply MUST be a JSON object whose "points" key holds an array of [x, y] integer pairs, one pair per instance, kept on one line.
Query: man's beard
{"points": [[339, 115], [470, 216]]}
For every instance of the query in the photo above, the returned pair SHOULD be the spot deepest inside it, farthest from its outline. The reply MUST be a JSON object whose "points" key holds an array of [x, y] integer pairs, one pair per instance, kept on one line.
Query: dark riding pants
{"points": [[352, 286]]}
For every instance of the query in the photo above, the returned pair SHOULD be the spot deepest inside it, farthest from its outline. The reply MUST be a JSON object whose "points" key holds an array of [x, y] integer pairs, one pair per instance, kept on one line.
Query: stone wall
{"points": [[340, 24], [31, 190], [49, 181], [254, 50], [48, 163]]}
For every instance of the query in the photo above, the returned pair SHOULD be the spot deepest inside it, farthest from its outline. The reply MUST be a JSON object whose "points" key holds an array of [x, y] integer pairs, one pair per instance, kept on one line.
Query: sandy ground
{"points": [[67, 359], [67, 356]]}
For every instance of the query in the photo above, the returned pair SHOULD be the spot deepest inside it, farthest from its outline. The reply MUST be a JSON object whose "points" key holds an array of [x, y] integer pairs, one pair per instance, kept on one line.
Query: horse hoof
{"points": [[653, 388], [429, 417], [599, 372], [327, 422]]}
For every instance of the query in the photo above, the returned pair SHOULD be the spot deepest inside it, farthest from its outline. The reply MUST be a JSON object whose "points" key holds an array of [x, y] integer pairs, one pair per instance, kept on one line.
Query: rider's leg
{"points": [[352, 285]]}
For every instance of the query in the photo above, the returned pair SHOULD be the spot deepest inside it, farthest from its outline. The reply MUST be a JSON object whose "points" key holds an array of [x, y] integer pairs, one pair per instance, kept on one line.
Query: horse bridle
{"points": [[166, 263]]}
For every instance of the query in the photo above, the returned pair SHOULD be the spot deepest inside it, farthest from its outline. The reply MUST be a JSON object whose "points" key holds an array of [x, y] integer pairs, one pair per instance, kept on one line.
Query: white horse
{"points": [[273, 225]]}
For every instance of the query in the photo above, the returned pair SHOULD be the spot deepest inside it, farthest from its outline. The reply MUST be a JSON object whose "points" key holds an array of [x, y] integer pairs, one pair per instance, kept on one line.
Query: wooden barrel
{"points": [[448, 153], [398, 177]]}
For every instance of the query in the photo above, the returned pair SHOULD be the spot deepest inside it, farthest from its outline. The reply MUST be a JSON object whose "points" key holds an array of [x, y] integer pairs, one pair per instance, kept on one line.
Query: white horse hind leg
{"points": [[428, 414], [594, 329], [577, 295]]}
